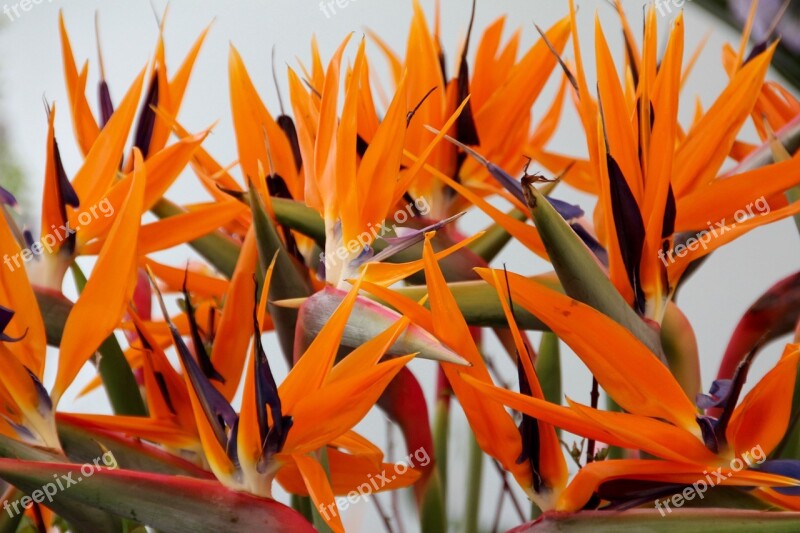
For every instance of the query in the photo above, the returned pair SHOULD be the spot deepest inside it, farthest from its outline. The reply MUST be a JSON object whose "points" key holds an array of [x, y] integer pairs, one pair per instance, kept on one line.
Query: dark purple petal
{"points": [[147, 118], [7, 198], [197, 340], [529, 429], [788, 27], [708, 427], [670, 213], [592, 243], [45, 403], [68, 195], [513, 185], [6, 315], [106, 105], [218, 411], [629, 225], [267, 396], [466, 130], [286, 124]]}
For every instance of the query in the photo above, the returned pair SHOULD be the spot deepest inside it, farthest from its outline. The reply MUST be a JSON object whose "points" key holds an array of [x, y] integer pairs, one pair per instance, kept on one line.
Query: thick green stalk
{"points": [[303, 505], [432, 514], [441, 429], [474, 483], [118, 379], [548, 367], [480, 305]]}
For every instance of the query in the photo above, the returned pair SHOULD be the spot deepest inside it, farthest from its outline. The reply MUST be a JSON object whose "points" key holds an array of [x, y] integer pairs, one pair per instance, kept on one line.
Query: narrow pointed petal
{"points": [[102, 162], [110, 287], [334, 409], [319, 488], [84, 123]]}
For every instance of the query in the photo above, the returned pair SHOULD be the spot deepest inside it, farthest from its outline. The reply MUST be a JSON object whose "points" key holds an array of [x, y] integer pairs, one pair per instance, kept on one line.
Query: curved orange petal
{"points": [[626, 369], [762, 417]]}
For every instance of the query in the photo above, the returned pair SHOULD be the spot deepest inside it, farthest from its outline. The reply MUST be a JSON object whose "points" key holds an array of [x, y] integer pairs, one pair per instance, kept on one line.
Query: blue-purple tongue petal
{"points": [[513, 185], [409, 238], [783, 467], [717, 395]]}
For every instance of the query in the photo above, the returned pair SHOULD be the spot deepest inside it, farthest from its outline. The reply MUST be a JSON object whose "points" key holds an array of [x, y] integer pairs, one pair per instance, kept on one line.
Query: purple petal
{"points": [[7, 198], [273, 437], [410, 238], [783, 467], [717, 395], [147, 118]]}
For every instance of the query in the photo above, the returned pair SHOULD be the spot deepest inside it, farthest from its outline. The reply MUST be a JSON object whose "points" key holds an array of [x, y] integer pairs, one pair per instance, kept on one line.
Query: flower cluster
{"points": [[336, 232]]}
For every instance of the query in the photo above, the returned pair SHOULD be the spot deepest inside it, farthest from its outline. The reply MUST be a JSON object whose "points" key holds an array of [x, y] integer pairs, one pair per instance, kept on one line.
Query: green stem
{"points": [[118, 379], [474, 482], [548, 367], [433, 517], [302, 504], [441, 428]]}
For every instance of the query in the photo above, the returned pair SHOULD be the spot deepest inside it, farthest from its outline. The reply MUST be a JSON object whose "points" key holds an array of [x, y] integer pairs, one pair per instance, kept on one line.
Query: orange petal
{"points": [[552, 466], [319, 488], [762, 417], [327, 413], [309, 373], [86, 128], [591, 476], [103, 301], [494, 429], [626, 369], [102, 162], [231, 342]]}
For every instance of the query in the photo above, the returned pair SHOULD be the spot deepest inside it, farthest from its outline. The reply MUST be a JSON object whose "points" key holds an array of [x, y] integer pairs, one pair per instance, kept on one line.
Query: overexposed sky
{"points": [[31, 68]]}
